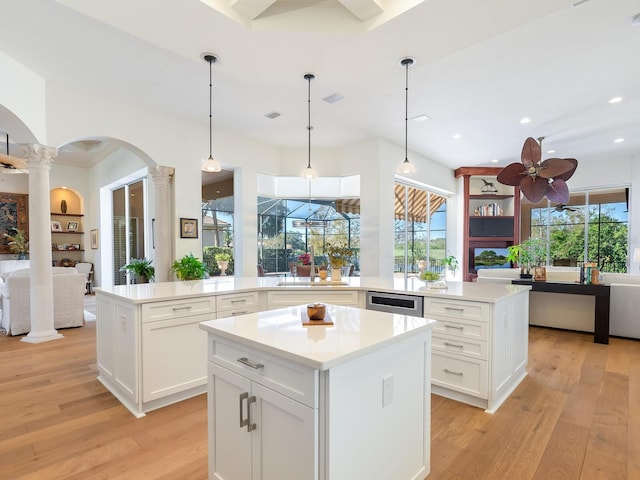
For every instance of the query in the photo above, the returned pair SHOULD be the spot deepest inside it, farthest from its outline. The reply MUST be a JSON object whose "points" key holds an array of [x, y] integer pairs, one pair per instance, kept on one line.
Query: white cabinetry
{"points": [[479, 348], [232, 304], [290, 298]]}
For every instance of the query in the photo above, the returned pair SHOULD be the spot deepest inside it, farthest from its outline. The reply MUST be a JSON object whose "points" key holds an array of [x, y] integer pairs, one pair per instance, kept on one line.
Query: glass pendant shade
{"points": [[309, 173], [211, 165], [406, 168]]}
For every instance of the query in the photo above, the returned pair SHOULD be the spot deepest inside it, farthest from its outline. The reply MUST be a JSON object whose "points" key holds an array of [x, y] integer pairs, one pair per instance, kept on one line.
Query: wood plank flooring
{"points": [[576, 416]]}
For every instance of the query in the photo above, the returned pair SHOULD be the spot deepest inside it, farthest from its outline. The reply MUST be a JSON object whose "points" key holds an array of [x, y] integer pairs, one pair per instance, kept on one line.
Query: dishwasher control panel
{"points": [[395, 303]]}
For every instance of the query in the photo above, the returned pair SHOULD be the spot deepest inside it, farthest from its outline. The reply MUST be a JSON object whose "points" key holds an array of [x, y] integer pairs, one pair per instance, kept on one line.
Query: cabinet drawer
{"points": [[280, 299], [239, 310], [464, 375], [237, 301], [458, 309], [463, 329], [290, 379], [460, 346], [152, 312]]}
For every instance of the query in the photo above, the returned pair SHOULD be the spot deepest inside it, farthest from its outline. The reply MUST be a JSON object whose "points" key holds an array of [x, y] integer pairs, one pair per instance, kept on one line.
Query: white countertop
{"points": [[153, 292], [355, 332]]}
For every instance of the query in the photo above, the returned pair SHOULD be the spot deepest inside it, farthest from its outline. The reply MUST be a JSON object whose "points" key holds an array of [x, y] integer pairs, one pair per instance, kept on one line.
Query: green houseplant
{"points": [[18, 243], [141, 268], [189, 268], [222, 259], [527, 255]]}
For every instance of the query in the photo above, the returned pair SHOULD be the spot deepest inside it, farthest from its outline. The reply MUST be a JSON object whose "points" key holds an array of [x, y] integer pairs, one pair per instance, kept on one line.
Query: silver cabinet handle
{"points": [[449, 344], [241, 300], [249, 363], [175, 309], [250, 426], [457, 327], [244, 422], [457, 309], [452, 372], [239, 313]]}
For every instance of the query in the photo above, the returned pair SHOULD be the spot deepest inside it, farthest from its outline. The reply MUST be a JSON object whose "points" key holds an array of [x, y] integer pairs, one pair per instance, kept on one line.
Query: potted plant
{"points": [[222, 259], [18, 243], [339, 256], [451, 263], [189, 268], [528, 255], [141, 269]]}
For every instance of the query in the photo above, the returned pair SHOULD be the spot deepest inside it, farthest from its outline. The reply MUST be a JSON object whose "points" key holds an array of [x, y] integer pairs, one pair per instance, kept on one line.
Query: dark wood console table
{"points": [[602, 294]]}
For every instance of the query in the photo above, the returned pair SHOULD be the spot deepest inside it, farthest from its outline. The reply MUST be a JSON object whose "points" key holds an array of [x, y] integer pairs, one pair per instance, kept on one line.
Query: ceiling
{"points": [[480, 68]]}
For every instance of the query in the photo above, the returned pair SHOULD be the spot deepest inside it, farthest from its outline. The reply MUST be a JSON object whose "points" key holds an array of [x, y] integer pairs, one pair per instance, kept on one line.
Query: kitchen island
{"points": [[342, 401], [151, 351]]}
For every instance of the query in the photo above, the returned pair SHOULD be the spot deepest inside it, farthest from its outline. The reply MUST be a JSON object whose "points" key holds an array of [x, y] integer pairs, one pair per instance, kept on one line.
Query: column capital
{"points": [[39, 155], [161, 174]]}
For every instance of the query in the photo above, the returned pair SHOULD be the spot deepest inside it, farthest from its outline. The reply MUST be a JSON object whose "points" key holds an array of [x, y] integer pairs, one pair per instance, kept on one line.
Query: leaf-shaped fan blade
{"points": [[554, 167], [531, 152], [511, 174], [558, 191], [533, 189], [566, 176]]}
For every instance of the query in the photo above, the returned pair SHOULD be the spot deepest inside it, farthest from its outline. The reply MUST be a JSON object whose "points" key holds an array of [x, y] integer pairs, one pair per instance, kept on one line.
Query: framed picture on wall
{"points": [[56, 226], [72, 226], [188, 228], [93, 236]]}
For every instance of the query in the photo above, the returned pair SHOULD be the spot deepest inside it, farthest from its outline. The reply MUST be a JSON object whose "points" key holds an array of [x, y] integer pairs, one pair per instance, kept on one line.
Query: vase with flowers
{"points": [[303, 266], [339, 256]]}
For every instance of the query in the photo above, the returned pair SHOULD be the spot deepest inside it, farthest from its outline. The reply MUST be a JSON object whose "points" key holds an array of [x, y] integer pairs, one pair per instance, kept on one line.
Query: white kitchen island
{"points": [[151, 351], [343, 401]]}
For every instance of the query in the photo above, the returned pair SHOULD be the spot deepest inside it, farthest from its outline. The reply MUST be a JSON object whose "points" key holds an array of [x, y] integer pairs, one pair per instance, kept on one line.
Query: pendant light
{"points": [[406, 167], [210, 165], [309, 172]]}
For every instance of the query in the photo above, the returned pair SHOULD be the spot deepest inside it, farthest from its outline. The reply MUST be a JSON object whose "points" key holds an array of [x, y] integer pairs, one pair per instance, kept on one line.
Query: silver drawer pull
{"points": [[449, 344], [452, 372], [248, 363], [239, 313], [241, 300], [457, 327], [175, 309], [244, 422], [250, 426], [457, 309]]}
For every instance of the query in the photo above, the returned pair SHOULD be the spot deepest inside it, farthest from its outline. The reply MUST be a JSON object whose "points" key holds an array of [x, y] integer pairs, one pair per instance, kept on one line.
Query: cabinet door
{"points": [[284, 442], [229, 443]]}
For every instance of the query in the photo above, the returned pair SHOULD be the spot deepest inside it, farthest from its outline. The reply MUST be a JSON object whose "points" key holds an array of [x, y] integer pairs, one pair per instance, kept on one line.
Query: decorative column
{"points": [[39, 160], [163, 220]]}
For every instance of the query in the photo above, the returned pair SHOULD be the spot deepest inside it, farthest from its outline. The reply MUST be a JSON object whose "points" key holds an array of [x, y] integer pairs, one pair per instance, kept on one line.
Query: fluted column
{"points": [[39, 160], [161, 177]]}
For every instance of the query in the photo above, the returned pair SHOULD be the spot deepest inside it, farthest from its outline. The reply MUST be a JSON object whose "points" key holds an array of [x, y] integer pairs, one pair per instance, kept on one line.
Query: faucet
{"points": [[312, 273]]}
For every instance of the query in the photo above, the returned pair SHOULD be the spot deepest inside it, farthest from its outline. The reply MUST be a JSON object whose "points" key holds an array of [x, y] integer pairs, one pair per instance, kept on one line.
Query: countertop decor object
{"points": [[316, 311]]}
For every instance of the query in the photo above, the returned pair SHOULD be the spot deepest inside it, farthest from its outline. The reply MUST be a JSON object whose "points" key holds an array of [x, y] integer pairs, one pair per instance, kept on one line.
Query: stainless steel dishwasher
{"points": [[395, 303]]}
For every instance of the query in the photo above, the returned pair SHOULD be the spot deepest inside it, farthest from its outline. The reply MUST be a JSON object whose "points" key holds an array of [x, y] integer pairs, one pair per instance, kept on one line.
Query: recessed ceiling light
{"points": [[336, 97], [615, 100], [420, 118], [551, 151], [456, 136], [618, 140], [525, 120], [272, 115], [495, 160]]}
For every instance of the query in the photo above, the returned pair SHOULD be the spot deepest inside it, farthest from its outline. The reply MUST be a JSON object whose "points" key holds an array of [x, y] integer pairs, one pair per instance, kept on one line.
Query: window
{"points": [[420, 229], [604, 217]]}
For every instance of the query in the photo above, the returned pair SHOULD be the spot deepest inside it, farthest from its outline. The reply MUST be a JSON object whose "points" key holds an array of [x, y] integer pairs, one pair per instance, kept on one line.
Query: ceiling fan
{"points": [[537, 178], [561, 208], [10, 164]]}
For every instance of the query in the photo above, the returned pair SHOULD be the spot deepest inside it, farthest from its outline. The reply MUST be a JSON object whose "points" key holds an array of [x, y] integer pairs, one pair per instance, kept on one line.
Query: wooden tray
{"points": [[307, 323]]}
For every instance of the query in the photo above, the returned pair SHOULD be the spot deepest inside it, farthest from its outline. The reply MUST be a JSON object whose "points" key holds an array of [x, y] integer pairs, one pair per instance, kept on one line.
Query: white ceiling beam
{"points": [[251, 8], [363, 9]]}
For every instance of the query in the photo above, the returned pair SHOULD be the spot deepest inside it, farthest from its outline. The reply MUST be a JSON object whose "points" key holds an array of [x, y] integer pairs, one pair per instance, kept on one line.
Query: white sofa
{"points": [[575, 312], [68, 299]]}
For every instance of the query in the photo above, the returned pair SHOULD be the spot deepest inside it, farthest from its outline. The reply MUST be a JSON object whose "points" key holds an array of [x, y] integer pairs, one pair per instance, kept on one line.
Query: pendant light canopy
{"points": [[210, 164], [406, 167], [309, 172]]}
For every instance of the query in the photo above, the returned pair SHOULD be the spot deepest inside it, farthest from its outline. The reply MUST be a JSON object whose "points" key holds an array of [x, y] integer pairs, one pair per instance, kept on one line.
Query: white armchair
{"points": [[68, 300]]}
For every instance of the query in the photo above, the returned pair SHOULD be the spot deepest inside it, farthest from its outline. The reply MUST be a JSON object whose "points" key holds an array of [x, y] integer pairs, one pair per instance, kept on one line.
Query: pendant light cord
{"points": [[406, 111], [210, 107], [309, 77]]}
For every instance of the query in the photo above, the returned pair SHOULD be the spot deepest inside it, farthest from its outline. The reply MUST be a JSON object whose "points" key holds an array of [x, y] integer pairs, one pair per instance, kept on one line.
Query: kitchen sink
{"points": [[307, 283]]}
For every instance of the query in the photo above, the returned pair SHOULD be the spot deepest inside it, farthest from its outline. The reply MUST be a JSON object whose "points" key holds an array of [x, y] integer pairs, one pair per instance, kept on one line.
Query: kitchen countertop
{"points": [[355, 332], [152, 292]]}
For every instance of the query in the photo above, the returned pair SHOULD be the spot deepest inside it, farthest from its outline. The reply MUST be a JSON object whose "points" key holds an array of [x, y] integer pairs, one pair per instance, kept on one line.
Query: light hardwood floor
{"points": [[576, 416]]}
